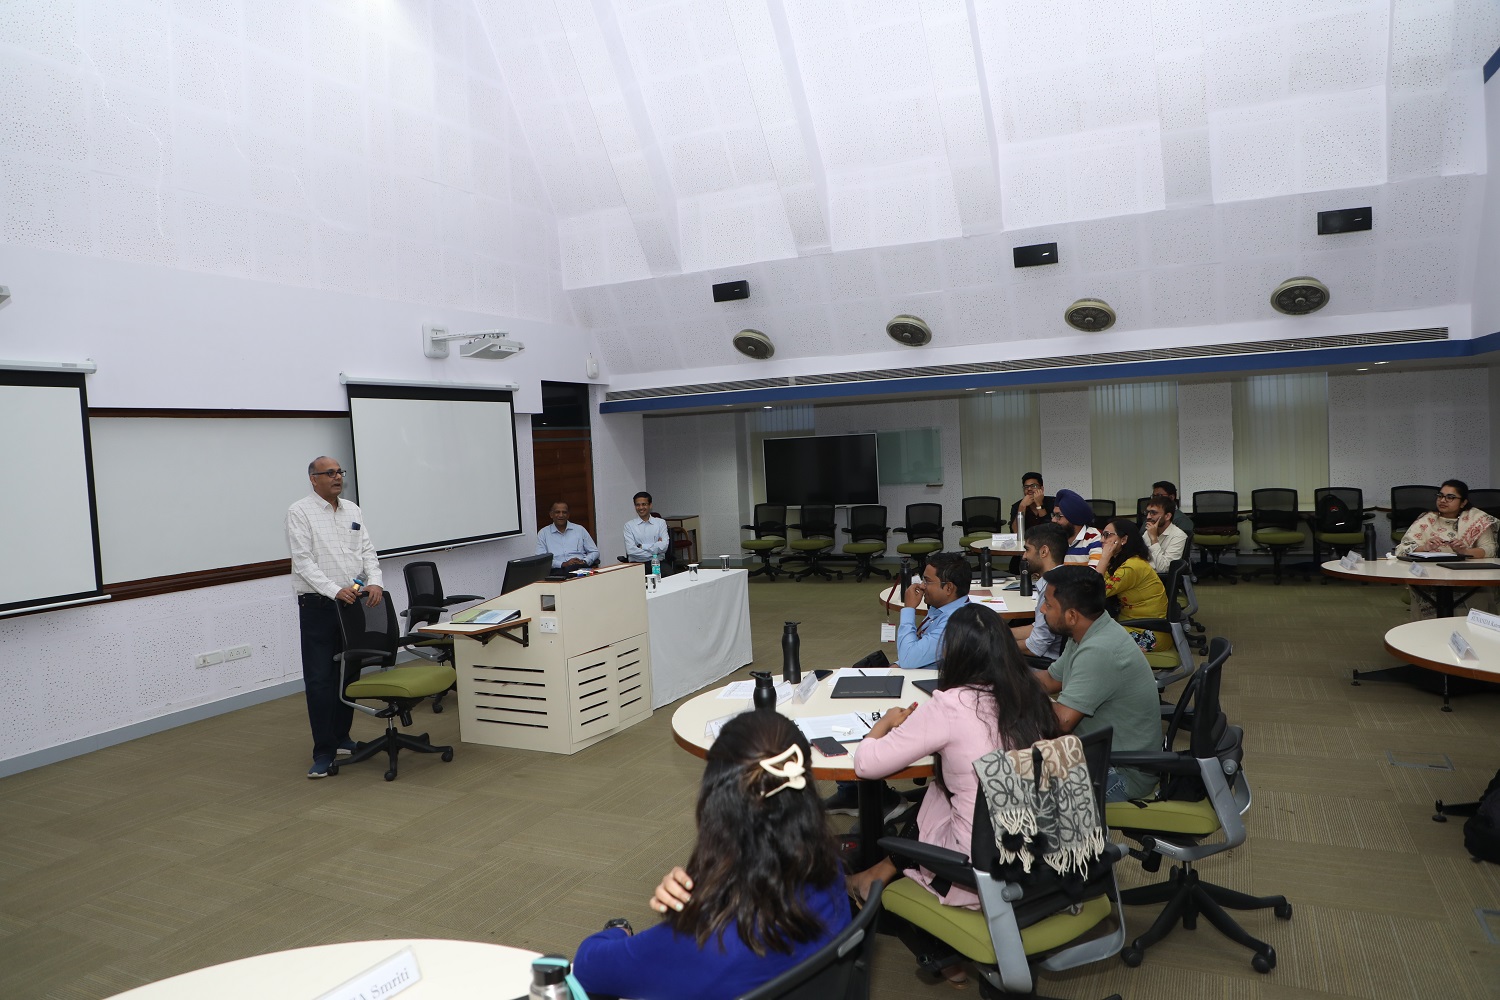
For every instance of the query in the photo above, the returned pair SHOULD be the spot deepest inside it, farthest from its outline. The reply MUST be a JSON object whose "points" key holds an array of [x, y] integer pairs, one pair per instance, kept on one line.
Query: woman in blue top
{"points": [[766, 887]]}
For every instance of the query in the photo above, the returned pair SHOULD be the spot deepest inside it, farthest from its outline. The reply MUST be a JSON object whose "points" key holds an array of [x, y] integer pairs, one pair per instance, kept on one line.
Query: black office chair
{"points": [[981, 518], [1140, 510], [818, 528], [1170, 664], [1203, 791], [770, 535], [923, 531], [1216, 530], [425, 604], [1103, 511], [1486, 500], [1022, 915], [371, 639], [1341, 524], [867, 533], [1276, 525], [1407, 504], [840, 970]]}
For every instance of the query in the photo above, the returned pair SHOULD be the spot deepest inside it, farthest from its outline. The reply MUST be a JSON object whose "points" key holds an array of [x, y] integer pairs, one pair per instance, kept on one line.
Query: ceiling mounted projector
{"points": [[754, 344], [1090, 315], [491, 345], [909, 330], [1299, 296]]}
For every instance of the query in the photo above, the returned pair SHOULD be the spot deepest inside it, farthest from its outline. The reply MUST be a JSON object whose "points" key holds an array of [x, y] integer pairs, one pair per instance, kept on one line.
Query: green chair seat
{"points": [[965, 930], [1164, 659], [1276, 536], [762, 544], [1341, 537], [1195, 819], [864, 548], [1216, 541], [811, 544], [1398, 534], [415, 681], [968, 540], [918, 548]]}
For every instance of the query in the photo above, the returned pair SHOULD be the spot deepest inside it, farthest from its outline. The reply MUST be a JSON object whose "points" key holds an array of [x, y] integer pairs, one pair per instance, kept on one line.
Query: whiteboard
{"points": [[183, 494], [46, 525]]}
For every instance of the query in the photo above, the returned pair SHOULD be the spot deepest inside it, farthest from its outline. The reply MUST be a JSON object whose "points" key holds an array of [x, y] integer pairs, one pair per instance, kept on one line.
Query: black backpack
{"points": [[1482, 830], [1335, 517]]}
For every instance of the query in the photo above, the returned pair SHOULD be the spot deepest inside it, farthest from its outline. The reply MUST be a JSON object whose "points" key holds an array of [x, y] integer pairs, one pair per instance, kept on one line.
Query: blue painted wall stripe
{"points": [[1244, 364]]}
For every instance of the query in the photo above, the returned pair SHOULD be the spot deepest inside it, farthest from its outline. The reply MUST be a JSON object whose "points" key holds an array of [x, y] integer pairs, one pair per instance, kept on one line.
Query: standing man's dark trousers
{"points": [[323, 676]]}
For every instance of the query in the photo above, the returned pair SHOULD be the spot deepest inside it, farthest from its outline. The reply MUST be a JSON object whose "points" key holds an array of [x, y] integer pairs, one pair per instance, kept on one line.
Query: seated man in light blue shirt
{"points": [[570, 544], [646, 534], [945, 587]]}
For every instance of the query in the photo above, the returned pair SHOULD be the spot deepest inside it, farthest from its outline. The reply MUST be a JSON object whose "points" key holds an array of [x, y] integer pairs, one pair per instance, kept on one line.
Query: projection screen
{"points": [[436, 464]]}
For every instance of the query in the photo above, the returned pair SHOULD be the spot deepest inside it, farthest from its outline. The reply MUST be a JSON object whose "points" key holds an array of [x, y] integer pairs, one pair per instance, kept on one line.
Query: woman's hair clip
{"points": [[788, 765]]}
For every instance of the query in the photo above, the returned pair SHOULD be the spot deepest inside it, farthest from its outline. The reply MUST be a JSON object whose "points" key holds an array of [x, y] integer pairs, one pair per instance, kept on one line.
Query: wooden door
{"points": [[563, 462]]}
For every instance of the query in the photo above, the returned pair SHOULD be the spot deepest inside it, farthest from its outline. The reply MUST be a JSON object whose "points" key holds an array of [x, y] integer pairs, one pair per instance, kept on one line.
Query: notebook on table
{"points": [[1433, 557], [928, 685], [884, 686]]}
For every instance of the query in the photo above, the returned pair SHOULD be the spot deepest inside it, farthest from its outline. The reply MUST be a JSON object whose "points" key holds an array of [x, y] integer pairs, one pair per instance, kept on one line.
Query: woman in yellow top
{"points": [[1129, 580]]}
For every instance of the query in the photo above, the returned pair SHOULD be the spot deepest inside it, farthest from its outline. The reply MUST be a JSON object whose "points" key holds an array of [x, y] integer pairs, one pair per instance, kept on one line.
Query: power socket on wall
{"points": [[236, 652], [209, 659]]}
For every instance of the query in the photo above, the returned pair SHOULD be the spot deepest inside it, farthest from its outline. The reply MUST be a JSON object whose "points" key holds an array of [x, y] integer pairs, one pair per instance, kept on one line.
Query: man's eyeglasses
{"points": [[332, 473], [1058, 515], [1449, 496]]}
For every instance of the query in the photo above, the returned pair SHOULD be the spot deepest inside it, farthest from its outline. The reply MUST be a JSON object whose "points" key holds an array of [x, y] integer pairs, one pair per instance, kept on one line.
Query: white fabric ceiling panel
{"points": [[978, 315], [1187, 177], [1413, 275], [1182, 296], [978, 260]]}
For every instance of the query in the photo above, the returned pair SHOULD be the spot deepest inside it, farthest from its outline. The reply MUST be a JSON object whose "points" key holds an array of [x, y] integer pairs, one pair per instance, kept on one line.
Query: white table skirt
{"points": [[699, 629]]}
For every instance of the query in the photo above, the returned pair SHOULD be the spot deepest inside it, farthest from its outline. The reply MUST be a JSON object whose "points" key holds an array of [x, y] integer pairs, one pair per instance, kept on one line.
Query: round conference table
{"points": [[1426, 645], [447, 968], [1437, 586], [690, 722]]}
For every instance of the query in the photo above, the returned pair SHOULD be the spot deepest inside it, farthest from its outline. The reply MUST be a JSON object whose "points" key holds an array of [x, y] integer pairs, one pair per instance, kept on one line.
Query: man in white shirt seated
{"points": [[571, 545], [1166, 540], [646, 535]]}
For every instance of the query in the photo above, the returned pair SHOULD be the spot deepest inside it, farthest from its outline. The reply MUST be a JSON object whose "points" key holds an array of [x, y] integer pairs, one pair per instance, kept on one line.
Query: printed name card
{"points": [[1417, 569], [1483, 619], [805, 689], [384, 980], [1461, 647], [1003, 542], [1352, 560]]}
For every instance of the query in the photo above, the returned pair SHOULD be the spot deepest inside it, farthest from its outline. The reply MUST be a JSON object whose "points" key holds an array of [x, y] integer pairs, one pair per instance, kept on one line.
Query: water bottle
{"points": [[1025, 579], [791, 659], [655, 566], [764, 695], [549, 979], [986, 569]]}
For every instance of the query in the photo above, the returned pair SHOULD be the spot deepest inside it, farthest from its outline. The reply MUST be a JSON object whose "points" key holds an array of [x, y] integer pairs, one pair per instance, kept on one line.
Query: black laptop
{"points": [[883, 686]]}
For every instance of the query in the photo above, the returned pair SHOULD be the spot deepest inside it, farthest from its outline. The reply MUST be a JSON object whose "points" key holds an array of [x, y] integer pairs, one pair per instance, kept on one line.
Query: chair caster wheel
{"points": [[1264, 961], [448, 756], [390, 775], [1284, 911], [1131, 956], [437, 708]]}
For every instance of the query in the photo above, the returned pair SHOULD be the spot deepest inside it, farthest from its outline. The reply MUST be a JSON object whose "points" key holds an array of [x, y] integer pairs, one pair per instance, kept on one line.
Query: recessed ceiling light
{"points": [[971, 388], [765, 407], [1382, 362], [989, 392], [1361, 369]]}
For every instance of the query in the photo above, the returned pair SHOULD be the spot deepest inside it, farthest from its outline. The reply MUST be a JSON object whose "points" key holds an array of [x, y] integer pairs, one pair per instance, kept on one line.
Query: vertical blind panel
{"points": [[47, 532], [1133, 440], [1000, 440], [1281, 434]]}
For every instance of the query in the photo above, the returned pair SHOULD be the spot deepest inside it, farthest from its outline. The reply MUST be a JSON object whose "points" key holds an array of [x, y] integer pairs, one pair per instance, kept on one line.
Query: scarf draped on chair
{"points": [[1042, 805]]}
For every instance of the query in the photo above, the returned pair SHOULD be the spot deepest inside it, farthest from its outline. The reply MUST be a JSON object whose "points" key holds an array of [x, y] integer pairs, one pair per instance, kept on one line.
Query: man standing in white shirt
{"points": [[646, 535], [1166, 540], [331, 549]]}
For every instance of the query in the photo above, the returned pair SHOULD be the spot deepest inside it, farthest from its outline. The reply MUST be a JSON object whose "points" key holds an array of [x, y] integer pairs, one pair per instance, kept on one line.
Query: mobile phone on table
{"points": [[830, 747]]}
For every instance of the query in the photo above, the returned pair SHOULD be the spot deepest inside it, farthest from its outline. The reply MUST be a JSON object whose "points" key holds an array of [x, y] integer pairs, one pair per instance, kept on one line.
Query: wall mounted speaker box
{"points": [[1345, 220], [728, 291], [1036, 254]]}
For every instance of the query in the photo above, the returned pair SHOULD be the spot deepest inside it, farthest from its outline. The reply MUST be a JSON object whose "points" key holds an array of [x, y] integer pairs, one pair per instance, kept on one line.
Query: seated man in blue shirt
{"points": [[570, 544], [944, 585], [645, 534]]}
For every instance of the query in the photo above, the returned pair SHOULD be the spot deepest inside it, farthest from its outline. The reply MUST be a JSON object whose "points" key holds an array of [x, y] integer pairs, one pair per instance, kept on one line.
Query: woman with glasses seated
{"points": [[1130, 584], [1455, 527], [765, 890]]}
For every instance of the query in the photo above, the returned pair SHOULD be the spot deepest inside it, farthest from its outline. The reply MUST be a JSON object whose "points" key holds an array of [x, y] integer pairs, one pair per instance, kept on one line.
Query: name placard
{"points": [[1484, 620], [1352, 560], [805, 689], [1461, 647], [382, 981], [1417, 569], [1003, 542]]}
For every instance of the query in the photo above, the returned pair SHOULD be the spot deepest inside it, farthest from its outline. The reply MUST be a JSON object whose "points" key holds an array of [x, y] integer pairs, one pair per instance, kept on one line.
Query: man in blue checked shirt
{"points": [[571, 545]]}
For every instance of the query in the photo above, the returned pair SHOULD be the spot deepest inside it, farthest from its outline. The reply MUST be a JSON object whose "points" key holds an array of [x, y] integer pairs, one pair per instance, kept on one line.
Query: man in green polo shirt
{"points": [[1102, 677]]}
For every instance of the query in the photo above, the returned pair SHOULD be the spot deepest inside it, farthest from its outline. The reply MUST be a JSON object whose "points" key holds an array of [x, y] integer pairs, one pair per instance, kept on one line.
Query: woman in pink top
{"points": [[986, 699]]}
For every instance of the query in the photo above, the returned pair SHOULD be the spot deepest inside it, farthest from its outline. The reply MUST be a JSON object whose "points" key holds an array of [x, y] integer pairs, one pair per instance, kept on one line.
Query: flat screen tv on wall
{"points": [[839, 469]]}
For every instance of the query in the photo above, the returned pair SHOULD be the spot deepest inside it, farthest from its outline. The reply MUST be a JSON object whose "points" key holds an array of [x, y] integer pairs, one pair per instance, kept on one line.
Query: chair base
{"points": [[1209, 567], [1187, 897], [392, 742], [1278, 552], [864, 566], [766, 567], [814, 567]]}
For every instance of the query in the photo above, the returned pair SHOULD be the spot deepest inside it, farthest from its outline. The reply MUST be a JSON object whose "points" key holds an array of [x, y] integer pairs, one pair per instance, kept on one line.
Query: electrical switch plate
{"points": [[546, 624], [209, 659]]}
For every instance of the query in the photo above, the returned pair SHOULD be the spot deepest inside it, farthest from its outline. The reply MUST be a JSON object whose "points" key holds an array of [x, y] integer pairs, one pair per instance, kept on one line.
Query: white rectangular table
{"points": [[699, 631]]}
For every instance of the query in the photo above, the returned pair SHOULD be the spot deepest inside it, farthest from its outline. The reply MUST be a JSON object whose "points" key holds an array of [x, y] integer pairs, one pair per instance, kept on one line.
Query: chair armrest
{"points": [[453, 599], [1156, 761], [958, 524], [942, 862], [423, 610], [747, 527], [1150, 624], [899, 531], [362, 657]]}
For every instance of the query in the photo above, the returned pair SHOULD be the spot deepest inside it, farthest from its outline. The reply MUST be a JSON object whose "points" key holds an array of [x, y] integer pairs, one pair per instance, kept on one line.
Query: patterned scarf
{"points": [[1041, 803]]}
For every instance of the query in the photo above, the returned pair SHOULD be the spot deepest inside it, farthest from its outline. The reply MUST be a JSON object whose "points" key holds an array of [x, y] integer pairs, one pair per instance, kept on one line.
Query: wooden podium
{"points": [[585, 673]]}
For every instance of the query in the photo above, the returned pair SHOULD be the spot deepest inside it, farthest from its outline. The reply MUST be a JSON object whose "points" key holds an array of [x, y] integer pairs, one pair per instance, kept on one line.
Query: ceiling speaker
{"points": [[1299, 296], [1034, 255], [909, 330], [1090, 315], [728, 291], [754, 344], [1345, 220]]}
